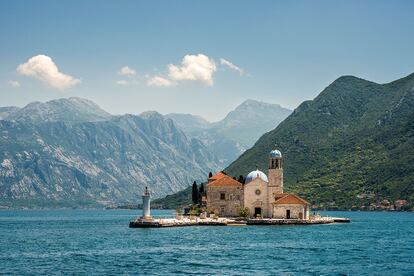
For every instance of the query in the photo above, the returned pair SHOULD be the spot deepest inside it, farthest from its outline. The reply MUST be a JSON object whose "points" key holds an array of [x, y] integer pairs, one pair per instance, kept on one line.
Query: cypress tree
{"points": [[241, 179], [195, 193], [201, 190], [210, 174]]}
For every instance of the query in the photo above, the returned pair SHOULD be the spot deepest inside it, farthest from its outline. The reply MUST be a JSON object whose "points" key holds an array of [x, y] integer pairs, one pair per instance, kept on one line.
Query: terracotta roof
{"points": [[289, 199], [224, 181], [279, 196], [217, 176]]}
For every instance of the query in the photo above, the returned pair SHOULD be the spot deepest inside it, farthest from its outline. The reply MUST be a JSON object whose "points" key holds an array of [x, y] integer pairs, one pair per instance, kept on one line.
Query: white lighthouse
{"points": [[146, 202]]}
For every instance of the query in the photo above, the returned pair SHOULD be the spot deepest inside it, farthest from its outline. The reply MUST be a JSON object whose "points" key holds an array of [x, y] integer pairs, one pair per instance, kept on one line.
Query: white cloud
{"points": [[159, 82], [14, 83], [194, 67], [122, 82], [231, 65], [43, 68], [126, 71]]}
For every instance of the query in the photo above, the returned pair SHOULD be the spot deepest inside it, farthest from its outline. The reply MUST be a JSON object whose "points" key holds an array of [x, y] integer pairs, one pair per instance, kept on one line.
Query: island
{"points": [[259, 200]]}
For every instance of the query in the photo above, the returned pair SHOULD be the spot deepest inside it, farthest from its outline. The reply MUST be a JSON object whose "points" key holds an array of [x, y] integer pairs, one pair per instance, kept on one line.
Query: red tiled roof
{"points": [[224, 181], [289, 199], [217, 176], [279, 196]]}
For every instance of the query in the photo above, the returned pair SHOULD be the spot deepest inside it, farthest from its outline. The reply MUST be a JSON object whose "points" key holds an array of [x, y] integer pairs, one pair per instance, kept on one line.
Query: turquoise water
{"points": [[100, 242]]}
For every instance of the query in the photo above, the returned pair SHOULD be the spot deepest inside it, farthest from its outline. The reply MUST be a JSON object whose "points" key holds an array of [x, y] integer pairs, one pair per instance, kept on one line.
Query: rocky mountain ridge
{"points": [[93, 158]]}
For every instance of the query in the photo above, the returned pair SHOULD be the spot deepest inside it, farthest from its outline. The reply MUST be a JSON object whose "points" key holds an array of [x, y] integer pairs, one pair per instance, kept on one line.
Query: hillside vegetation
{"points": [[354, 139]]}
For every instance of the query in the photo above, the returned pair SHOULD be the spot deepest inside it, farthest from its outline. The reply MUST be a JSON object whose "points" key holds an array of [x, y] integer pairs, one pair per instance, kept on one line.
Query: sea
{"points": [[99, 242]]}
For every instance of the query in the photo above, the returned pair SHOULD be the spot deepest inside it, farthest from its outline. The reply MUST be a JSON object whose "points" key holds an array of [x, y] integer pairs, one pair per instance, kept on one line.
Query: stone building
{"points": [[224, 195], [289, 206], [262, 194]]}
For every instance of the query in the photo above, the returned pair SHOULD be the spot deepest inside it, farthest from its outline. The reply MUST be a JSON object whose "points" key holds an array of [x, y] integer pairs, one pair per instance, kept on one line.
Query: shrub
{"points": [[244, 212]]}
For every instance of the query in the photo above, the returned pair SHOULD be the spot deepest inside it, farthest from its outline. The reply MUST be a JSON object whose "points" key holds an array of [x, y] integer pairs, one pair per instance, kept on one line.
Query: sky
{"points": [[197, 57]]}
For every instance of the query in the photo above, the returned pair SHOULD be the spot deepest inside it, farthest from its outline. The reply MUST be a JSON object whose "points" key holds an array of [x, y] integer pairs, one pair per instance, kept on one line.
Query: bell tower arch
{"points": [[275, 172]]}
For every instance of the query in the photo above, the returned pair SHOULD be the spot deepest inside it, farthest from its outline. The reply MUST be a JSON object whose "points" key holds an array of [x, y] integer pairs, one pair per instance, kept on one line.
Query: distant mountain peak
{"points": [[187, 115], [188, 122], [255, 103], [151, 114], [250, 109], [72, 109], [6, 111], [237, 131], [250, 101]]}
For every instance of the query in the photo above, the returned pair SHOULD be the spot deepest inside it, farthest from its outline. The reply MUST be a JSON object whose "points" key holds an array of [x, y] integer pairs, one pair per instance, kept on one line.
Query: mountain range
{"points": [[238, 131], [70, 152]]}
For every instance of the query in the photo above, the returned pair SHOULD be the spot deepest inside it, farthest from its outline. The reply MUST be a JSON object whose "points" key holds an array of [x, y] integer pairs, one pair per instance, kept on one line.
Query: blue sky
{"points": [[288, 51]]}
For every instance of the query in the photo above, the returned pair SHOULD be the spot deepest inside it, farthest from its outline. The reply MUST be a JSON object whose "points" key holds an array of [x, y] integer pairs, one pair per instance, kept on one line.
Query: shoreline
{"points": [[161, 209], [182, 222]]}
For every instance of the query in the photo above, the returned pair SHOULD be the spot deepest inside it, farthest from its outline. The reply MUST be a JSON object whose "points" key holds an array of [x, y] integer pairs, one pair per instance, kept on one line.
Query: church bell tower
{"points": [[275, 173]]}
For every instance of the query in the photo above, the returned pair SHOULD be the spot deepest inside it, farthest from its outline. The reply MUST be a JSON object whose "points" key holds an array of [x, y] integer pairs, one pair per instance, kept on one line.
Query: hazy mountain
{"points": [[351, 146], [250, 120], [49, 158], [228, 138], [189, 122], [6, 111], [68, 110]]}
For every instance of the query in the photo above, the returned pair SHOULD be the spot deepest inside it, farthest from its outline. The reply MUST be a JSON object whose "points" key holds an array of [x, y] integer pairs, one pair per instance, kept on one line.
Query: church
{"points": [[261, 194]]}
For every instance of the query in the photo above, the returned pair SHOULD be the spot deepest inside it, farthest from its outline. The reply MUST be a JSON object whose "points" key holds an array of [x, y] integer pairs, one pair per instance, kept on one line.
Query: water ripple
{"points": [[97, 242]]}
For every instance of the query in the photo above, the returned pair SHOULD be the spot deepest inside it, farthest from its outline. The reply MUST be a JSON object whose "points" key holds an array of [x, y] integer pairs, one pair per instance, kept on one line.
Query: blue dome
{"points": [[254, 174], [275, 153]]}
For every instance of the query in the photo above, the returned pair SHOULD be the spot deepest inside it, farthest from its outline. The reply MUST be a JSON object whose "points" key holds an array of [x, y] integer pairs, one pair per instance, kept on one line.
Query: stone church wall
{"points": [[256, 196]]}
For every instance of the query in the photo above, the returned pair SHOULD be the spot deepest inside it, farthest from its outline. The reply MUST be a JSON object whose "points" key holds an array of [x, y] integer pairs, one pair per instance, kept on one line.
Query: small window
{"points": [[222, 196], [258, 192]]}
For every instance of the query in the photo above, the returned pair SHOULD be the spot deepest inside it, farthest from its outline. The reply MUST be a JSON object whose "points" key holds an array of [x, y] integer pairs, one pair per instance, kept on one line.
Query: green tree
{"points": [[201, 190], [244, 212], [195, 193]]}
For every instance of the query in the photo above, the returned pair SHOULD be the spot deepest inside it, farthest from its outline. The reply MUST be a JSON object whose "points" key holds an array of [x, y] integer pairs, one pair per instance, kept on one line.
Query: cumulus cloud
{"points": [[43, 68], [231, 65], [194, 67], [126, 71], [14, 83], [159, 82]]}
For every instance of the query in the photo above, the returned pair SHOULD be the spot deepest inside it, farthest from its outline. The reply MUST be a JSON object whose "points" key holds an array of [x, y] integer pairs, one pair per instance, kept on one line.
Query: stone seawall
{"points": [[158, 223]]}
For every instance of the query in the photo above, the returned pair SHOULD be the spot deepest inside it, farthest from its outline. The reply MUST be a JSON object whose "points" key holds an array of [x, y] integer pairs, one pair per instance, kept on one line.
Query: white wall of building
{"points": [[254, 199]]}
